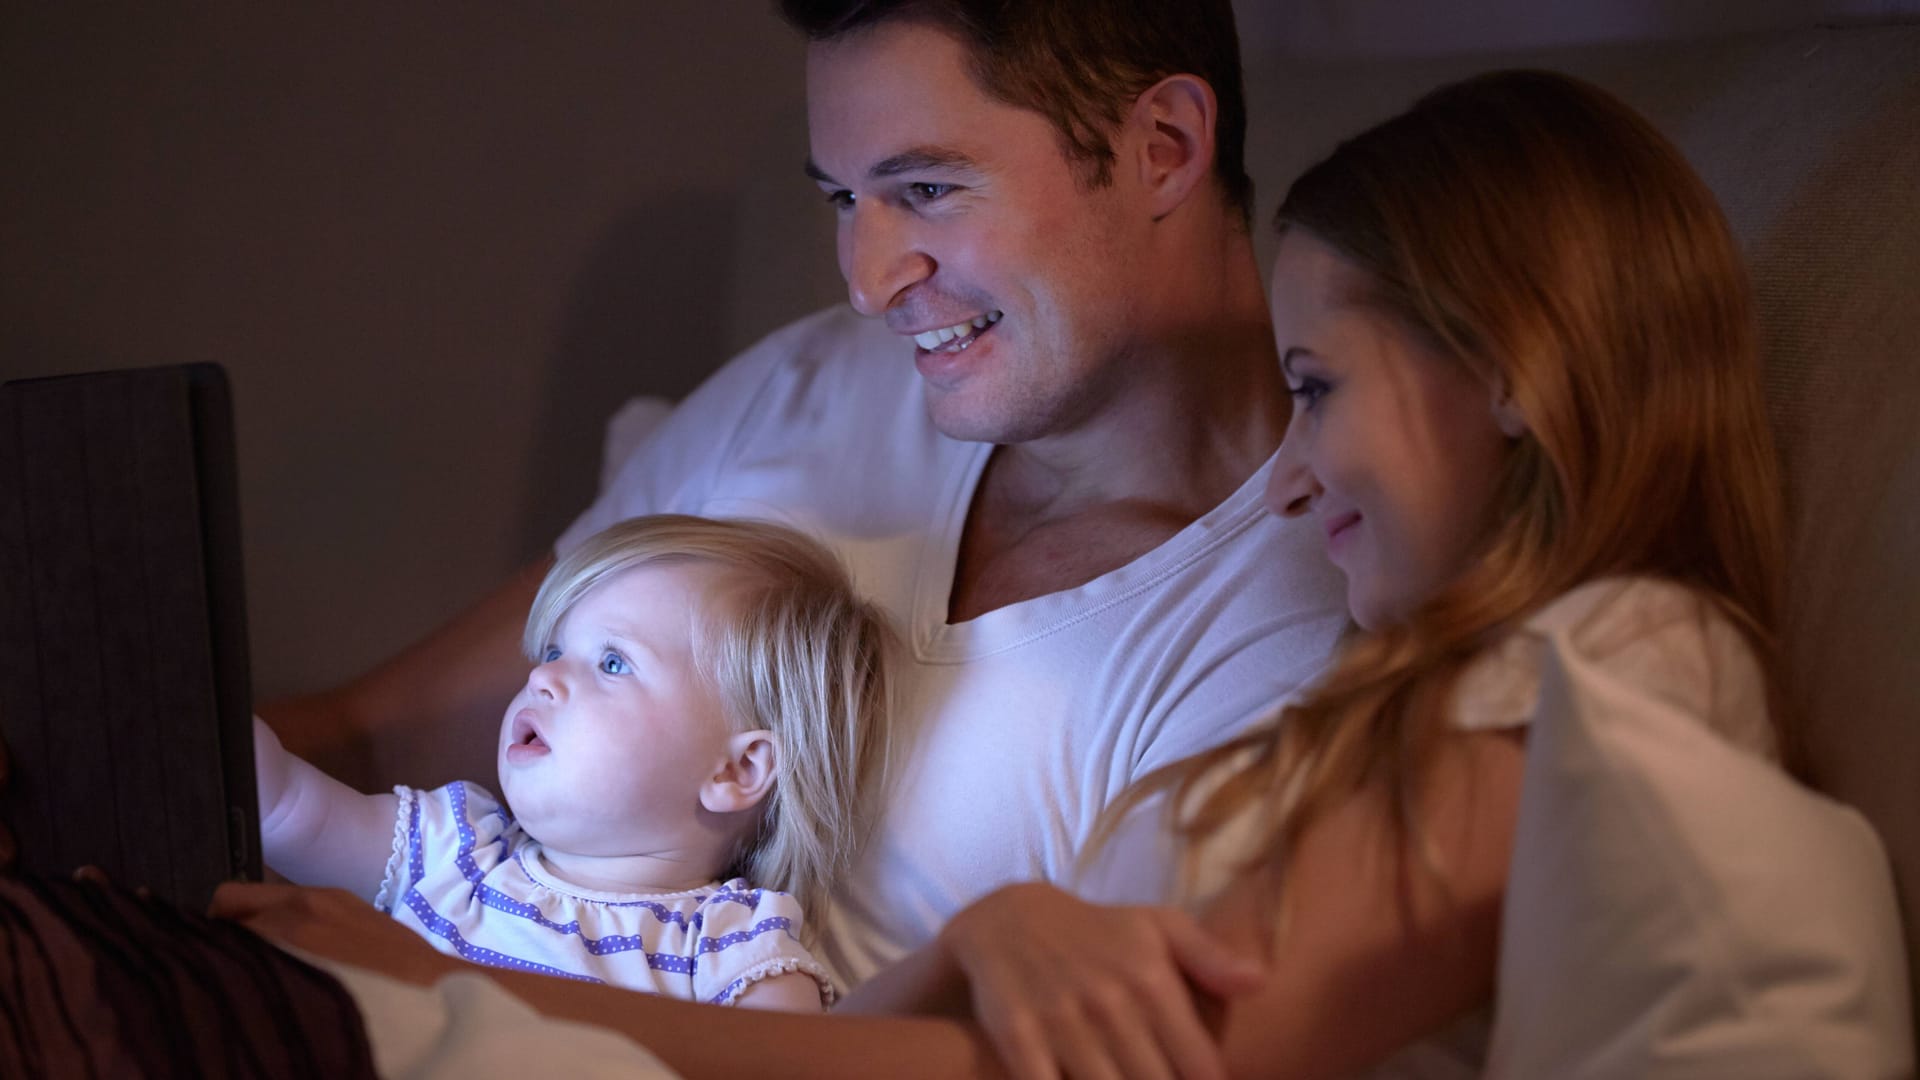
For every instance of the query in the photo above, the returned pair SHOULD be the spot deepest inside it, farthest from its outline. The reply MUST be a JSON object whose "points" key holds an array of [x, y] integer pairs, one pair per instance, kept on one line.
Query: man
{"points": [[1043, 451]]}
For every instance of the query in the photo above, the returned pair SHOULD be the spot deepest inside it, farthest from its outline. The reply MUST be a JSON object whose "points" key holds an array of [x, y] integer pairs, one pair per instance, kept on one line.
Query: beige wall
{"points": [[435, 249], [1373, 29]]}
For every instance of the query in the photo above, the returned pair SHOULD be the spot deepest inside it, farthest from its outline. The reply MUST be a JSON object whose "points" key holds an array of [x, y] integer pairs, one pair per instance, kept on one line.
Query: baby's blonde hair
{"points": [[789, 647]]}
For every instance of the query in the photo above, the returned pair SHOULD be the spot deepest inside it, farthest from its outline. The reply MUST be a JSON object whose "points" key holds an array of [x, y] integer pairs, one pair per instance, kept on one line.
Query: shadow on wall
{"points": [[1834, 279], [646, 316]]}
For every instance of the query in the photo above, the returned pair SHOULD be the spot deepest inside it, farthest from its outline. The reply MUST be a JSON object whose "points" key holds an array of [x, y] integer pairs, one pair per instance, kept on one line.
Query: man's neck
{"points": [[1203, 408]]}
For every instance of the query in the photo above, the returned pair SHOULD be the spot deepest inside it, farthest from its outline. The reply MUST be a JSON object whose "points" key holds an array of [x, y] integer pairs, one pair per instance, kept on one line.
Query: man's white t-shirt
{"points": [[1014, 730]]}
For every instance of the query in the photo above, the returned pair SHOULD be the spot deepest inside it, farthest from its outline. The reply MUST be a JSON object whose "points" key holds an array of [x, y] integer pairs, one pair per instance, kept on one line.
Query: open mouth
{"points": [[525, 732], [959, 336]]}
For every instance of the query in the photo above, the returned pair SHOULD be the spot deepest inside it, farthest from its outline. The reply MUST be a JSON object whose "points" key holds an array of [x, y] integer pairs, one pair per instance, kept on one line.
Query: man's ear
{"points": [[1172, 122], [745, 776], [1506, 415]]}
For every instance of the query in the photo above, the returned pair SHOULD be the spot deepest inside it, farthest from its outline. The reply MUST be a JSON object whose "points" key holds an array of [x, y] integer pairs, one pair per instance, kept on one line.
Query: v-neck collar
{"points": [[935, 640]]}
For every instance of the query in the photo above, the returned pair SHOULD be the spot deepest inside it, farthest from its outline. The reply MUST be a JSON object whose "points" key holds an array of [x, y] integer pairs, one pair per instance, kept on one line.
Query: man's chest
{"points": [[1003, 561]]}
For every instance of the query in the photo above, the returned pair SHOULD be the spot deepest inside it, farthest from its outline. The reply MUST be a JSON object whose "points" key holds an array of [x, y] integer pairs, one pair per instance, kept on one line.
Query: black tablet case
{"points": [[124, 695]]}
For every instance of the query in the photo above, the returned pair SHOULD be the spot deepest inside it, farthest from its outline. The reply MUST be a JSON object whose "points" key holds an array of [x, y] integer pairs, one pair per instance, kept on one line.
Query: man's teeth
{"points": [[947, 335]]}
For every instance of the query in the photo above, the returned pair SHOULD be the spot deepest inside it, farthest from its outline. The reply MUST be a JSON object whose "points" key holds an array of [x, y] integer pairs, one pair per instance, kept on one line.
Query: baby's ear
{"points": [[745, 776]]}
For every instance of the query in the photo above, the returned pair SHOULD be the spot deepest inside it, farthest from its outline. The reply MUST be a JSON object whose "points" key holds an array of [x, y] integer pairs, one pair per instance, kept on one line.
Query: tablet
{"points": [[124, 692]]}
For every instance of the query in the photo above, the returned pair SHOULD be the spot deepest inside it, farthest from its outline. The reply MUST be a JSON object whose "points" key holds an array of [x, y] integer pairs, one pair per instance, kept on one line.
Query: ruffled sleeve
{"points": [[746, 935], [446, 838]]}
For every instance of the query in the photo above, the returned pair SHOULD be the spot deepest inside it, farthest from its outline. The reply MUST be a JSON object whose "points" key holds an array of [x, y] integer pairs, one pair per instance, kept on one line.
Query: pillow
{"points": [[1679, 907]]}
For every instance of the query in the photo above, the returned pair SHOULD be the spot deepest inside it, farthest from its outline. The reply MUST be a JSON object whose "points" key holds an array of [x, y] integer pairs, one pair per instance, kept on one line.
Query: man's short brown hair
{"points": [[1079, 63]]}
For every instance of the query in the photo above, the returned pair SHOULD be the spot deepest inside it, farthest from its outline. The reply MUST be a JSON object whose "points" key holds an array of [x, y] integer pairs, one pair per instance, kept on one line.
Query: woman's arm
{"points": [[1363, 967], [1367, 961], [695, 1040], [315, 829], [1377, 952]]}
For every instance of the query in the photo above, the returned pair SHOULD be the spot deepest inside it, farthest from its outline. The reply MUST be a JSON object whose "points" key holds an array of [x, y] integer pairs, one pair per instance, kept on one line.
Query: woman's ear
{"points": [[1173, 122], [745, 776], [1506, 415]]}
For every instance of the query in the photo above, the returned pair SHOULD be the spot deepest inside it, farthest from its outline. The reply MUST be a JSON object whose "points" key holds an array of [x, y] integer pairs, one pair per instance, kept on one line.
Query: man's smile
{"points": [[957, 337]]}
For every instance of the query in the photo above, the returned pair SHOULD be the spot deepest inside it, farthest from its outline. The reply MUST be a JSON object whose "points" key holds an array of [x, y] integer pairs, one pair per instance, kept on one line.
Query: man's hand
{"points": [[335, 924], [1064, 987]]}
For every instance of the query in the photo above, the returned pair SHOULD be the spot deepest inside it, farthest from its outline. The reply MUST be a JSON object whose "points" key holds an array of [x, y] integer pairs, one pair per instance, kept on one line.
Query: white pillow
{"points": [[627, 429], [1679, 907]]}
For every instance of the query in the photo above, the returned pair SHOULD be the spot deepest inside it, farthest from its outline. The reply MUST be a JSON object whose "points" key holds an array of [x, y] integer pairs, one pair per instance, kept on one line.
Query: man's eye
{"points": [[613, 664], [924, 192], [840, 200]]}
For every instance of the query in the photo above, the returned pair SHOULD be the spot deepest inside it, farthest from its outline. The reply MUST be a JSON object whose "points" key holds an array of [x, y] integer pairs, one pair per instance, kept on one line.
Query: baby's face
{"points": [[604, 750]]}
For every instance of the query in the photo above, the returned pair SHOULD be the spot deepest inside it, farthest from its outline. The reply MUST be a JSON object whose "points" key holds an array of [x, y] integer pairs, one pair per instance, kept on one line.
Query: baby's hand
{"points": [[1065, 987]]}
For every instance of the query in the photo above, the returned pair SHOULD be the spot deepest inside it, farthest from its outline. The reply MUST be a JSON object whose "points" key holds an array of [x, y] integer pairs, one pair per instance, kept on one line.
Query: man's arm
{"points": [[444, 694]]}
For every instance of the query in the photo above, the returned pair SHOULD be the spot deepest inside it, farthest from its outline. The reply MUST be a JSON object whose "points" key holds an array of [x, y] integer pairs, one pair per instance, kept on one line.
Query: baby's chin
{"points": [[516, 799]]}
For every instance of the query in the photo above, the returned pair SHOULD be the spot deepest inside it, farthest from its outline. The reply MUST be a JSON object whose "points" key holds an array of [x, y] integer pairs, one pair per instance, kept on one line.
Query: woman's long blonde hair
{"points": [[1531, 227]]}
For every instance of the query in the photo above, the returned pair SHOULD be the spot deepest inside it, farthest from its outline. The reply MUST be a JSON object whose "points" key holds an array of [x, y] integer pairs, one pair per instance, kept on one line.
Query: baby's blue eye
{"points": [[552, 654], [613, 664]]}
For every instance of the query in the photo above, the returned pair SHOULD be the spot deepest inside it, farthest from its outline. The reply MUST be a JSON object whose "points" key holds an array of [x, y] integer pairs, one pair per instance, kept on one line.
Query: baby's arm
{"points": [[315, 829], [796, 991]]}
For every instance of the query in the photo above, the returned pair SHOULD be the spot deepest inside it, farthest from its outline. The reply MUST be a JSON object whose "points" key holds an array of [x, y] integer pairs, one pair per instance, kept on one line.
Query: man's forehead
{"points": [[903, 100], [893, 90]]}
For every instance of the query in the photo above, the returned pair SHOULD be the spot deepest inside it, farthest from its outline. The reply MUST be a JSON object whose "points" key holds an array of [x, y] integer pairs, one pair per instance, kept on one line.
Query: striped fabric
{"points": [[95, 982], [469, 880]]}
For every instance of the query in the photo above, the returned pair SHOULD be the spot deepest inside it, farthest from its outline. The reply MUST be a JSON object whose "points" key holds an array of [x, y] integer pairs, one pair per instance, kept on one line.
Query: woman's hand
{"points": [[335, 924], [1068, 988]]}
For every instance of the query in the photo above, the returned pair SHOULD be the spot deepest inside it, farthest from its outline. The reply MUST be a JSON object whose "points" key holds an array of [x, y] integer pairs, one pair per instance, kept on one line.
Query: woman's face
{"points": [[1394, 448]]}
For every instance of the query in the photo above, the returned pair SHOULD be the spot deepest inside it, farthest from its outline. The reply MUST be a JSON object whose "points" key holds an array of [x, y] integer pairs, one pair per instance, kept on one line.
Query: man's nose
{"points": [[1292, 489], [880, 259]]}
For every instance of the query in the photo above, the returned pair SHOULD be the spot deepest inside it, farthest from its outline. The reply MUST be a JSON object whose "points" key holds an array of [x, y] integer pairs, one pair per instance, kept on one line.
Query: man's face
{"points": [[963, 224]]}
